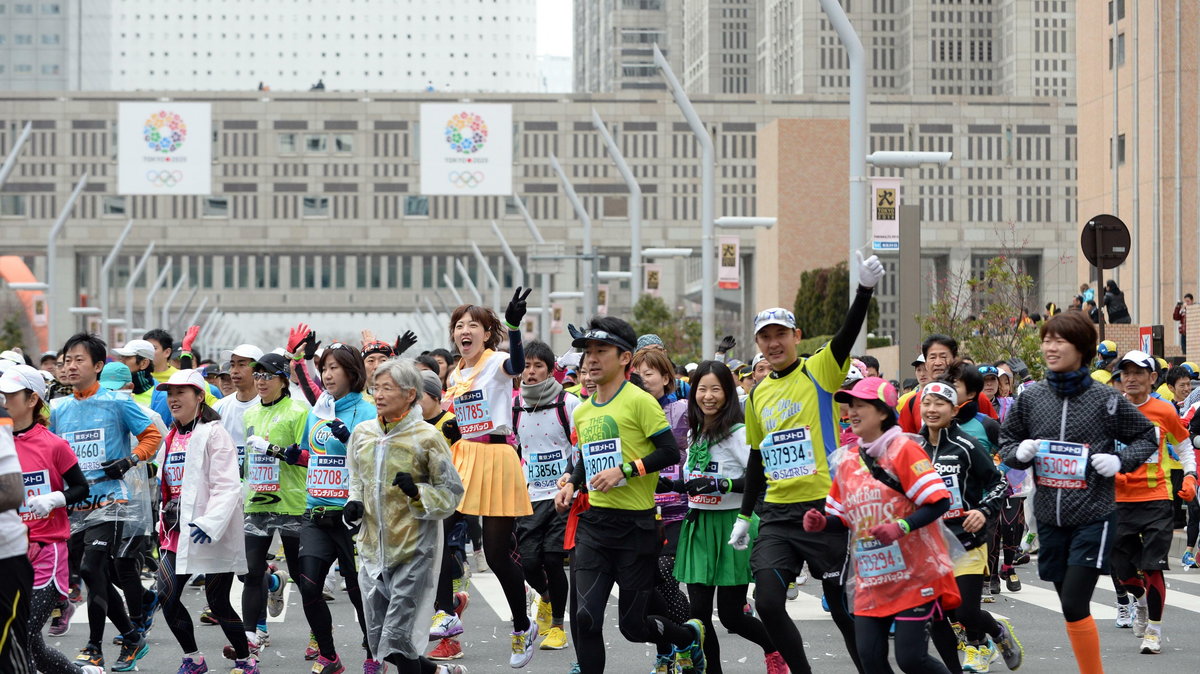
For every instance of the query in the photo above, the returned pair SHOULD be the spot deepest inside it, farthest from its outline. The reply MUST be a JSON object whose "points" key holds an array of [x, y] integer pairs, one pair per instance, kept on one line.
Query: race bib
{"points": [[872, 558], [36, 483], [1061, 464], [473, 413], [672, 472], [788, 454], [173, 473], [956, 502], [241, 450], [328, 477], [542, 470], [713, 469], [600, 456], [264, 473], [88, 447]]}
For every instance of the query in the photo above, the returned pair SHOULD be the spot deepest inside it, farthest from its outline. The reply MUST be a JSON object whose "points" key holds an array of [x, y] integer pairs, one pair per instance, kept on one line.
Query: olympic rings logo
{"points": [[164, 132], [164, 178], [466, 179]]}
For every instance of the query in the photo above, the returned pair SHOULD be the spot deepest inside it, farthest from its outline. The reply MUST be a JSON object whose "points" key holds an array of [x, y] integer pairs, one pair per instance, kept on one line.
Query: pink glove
{"points": [[295, 336], [886, 533], [189, 338], [814, 520]]}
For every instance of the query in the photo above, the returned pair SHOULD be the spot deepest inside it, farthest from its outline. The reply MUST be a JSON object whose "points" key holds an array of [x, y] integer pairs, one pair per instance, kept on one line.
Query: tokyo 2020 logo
{"points": [[466, 133], [164, 132]]}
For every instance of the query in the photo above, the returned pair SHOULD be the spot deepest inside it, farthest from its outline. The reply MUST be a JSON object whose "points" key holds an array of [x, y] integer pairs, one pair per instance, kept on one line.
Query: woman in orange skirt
{"points": [[479, 392]]}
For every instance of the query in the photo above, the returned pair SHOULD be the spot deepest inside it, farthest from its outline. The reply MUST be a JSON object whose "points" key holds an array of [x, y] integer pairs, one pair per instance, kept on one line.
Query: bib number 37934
{"points": [[600, 456], [789, 453]]}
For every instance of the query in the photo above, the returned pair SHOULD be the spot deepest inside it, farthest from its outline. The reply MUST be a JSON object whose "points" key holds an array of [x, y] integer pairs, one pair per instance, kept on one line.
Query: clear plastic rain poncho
{"points": [[400, 542]]}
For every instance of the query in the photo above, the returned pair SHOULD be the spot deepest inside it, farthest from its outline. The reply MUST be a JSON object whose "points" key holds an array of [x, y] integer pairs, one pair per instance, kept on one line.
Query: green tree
{"points": [[823, 299], [10, 333], [680, 334]]}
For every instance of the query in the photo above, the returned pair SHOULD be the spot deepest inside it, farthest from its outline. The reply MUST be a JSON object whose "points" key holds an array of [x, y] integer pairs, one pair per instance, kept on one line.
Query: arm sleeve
{"points": [[310, 384], [516, 354], [756, 481], [75, 486], [666, 451], [927, 514], [843, 341], [148, 441]]}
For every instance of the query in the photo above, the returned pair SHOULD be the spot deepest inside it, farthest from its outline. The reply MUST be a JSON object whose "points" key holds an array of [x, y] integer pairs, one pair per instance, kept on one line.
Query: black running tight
{"points": [[1075, 592], [41, 657], [770, 597], [500, 548], [311, 581], [216, 592], [420, 665], [668, 599], [254, 589], [127, 575], [549, 579], [1008, 534], [591, 588], [912, 642], [103, 599], [454, 531], [731, 603], [974, 620]]}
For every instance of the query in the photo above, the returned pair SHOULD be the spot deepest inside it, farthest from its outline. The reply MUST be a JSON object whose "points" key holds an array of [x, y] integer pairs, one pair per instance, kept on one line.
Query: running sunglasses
{"points": [[601, 336], [989, 370], [376, 347]]}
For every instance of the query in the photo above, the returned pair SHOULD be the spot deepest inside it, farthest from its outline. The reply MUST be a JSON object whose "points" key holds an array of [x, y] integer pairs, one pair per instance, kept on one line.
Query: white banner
{"points": [[602, 300], [164, 148], [729, 264], [652, 279], [40, 315], [466, 149], [885, 214]]}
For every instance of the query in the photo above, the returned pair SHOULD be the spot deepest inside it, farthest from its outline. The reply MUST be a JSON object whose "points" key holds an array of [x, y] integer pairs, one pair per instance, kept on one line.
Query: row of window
{"points": [[27, 39], [49, 8], [28, 69]]}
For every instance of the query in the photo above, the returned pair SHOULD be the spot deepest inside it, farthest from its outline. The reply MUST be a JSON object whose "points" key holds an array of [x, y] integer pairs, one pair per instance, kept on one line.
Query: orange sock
{"points": [[1085, 641]]}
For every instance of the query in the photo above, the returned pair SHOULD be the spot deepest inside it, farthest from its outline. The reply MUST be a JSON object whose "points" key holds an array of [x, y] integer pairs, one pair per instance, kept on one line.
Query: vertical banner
{"points": [[885, 214], [40, 315], [652, 279], [1145, 338], [602, 300], [556, 323], [164, 148], [466, 149], [729, 266]]}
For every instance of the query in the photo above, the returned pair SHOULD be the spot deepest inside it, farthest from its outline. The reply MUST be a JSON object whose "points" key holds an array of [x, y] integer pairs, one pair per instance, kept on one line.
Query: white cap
{"points": [[136, 347], [242, 351], [758, 357], [23, 378], [854, 374], [12, 356], [185, 378], [1139, 358], [776, 316], [690, 367]]}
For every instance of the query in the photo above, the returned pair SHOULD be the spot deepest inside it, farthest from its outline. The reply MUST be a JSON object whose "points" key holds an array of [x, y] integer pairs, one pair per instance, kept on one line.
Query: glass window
{"points": [[23, 39], [13, 205], [315, 142], [316, 207], [51, 38], [243, 273], [206, 270], [297, 261], [114, 205], [343, 142], [287, 143], [23, 8], [23, 68], [3, 38], [416, 205], [360, 273], [339, 270], [405, 264], [51, 8], [216, 207], [230, 264], [50, 69], [510, 207]]}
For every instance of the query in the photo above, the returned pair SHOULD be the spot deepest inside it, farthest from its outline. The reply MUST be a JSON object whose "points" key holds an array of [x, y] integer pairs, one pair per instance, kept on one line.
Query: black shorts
{"points": [[1089, 545], [783, 544], [542, 532], [1144, 535], [111, 537], [328, 543], [623, 544]]}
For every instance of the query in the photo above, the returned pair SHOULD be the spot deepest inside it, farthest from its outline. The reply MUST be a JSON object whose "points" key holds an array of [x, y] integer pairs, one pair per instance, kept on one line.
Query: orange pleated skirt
{"points": [[493, 480]]}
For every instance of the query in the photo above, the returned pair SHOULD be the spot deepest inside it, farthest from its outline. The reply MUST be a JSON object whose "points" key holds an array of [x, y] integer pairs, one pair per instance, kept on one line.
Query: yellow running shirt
{"points": [[615, 433]]}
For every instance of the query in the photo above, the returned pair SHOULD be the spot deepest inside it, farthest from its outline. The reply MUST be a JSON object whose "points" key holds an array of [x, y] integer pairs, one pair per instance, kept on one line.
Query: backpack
{"points": [[560, 405]]}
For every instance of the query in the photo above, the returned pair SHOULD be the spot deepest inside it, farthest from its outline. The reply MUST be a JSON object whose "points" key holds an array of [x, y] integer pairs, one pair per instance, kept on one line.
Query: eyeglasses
{"points": [[265, 376]]}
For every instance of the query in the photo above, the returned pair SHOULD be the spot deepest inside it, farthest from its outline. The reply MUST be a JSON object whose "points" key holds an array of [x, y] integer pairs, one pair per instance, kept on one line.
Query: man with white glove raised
{"points": [[791, 425]]}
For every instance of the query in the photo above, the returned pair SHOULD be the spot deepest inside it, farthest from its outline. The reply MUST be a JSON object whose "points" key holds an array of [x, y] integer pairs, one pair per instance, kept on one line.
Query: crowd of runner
{"points": [[716, 488]]}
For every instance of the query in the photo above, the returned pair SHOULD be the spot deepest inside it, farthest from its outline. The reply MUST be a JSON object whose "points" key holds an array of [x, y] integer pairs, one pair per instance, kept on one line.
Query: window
{"points": [[23, 39], [316, 207], [343, 142], [13, 205], [114, 205], [51, 38], [315, 142], [287, 143], [51, 8], [50, 69], [23, 8], [23, 68], [216, 207], [416, 205], [510, 207]]}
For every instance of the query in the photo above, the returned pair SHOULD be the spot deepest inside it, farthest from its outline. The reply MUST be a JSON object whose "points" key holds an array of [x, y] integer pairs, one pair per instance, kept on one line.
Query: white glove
{"points": [[870, 270], [1106, 464], [1027, 450], [740, 539], [42, 504], [257, 444]]}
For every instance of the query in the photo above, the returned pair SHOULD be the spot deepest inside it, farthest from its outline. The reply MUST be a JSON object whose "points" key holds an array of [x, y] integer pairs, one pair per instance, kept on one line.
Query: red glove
{"points": [[295, 336], [814, 520], [189, 338], [886, 533], [1188, 493]]}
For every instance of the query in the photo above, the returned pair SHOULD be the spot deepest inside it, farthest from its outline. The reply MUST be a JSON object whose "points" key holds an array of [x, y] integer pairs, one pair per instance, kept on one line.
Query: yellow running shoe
{"points": [[556, 640], [545, 615]]}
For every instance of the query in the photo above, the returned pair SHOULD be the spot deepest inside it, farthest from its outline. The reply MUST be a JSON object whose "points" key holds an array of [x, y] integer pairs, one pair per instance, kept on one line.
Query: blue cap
{"points": [[115, 376]]}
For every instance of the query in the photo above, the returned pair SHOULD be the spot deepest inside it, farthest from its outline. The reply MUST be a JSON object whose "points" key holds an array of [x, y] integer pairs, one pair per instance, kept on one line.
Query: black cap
{"points": [[273, 363]]}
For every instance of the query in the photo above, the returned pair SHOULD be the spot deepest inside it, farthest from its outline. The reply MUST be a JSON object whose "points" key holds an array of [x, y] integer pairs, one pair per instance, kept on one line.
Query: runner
{"points": [[938, 353], [543, 418], [1145, 515], [714, 478], [97, 424], [233, 408], [1064, 428], [791, 424], [886, 493], [201, 489], [52, 480], [976, 490], [624, 441], [16, 579], [402, 481], [480, 392]]}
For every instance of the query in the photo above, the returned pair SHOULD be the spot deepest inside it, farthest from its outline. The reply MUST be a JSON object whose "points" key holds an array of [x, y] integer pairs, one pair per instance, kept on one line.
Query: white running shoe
{"points": [[275, 597], [1152, 642], [1141, 619], [523, 646], [445, 625], [1124, 616]]}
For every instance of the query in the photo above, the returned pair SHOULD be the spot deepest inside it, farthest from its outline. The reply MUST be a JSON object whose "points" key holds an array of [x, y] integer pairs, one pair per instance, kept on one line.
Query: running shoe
{"points": [[987, 598], [575, 669], [556, 639], [130, 654], [447, 649], [544, 615], [254, 646], [1124, 616], [190, 666], [451, 669], [747, 610], [374, 667], [324, 665], [663, 664], [479, 562], [150, 607], [75, 595], [1009, 646], [978, 658], [792, 591], [90, 655], [60, 619], [311, 651], [198, 580], [1021, 560], [445, 625], [1189, 560], [994, 585], [691, 658], [461, 599], [264, 637], [247, 666], [1152, 642], [275, 597], [1012, 582], [523, 646], [89, 669], [824, 604], [1141, 618], [207, 617], [775, 663]]}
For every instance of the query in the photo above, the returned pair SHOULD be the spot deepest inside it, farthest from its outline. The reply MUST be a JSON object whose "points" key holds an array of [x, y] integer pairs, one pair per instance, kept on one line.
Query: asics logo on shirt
{"points": [[775, 414]]}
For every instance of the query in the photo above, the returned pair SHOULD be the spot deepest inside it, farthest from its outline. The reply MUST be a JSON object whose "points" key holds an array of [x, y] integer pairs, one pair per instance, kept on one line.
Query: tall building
{"points": [[719, 46], [1138, 153], [614, 43], [143, 45]]}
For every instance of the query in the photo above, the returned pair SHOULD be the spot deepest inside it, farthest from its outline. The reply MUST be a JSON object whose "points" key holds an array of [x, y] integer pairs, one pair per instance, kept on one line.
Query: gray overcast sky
{"points": [[554, 30]]}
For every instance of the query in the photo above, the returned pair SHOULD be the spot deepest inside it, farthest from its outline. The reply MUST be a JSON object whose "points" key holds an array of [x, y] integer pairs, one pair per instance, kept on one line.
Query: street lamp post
{"points": [[133, 277], [178, 322], [454, 291], [52, 257], [589, 261], [195, 315], [708, 249], [11, 160], [165, 318], [544, 321], [634, 209], [518, 270], [483, 264], [158, 283], [462, 269], [105, 271]]}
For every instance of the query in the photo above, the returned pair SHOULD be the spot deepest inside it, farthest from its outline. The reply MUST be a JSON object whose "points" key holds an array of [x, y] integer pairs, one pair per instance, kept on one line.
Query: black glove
{"points": [[405, 482], [291, 454], [339, 431], [353, 511], [117, 468], [726, 344], [668, 486], [403, 342], [310, 345], [516, 307], [703, 485]]}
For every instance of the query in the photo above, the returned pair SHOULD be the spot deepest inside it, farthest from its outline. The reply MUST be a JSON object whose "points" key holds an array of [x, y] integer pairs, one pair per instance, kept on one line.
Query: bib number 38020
{"points": [[601, 455]]}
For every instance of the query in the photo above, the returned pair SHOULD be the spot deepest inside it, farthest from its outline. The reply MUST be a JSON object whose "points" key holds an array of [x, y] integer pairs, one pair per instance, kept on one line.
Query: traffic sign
{"points": [[1105, 241]]}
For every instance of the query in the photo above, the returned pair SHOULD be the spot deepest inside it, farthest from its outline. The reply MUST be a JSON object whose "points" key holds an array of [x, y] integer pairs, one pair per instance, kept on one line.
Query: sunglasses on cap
{"points": [[989, 370], [376, 347], [602, 336]]}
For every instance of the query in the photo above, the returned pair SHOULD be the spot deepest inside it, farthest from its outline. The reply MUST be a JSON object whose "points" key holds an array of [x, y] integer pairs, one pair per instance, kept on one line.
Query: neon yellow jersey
{"points": [[1102, 376], [618, 432], [793, 420], [1166, 393]]}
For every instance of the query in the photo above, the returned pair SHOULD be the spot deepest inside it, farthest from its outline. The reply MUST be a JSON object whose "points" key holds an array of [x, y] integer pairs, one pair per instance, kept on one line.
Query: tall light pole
{"points": [[11, 160], [178, 324], [52, 258], [133, 277], [105, 271], [158, 283], [589, 260], [513, 260], [462, 269], [453, 291], [544, 322], [483, 264], [634, 209], [165, 319], [708, 247]]}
